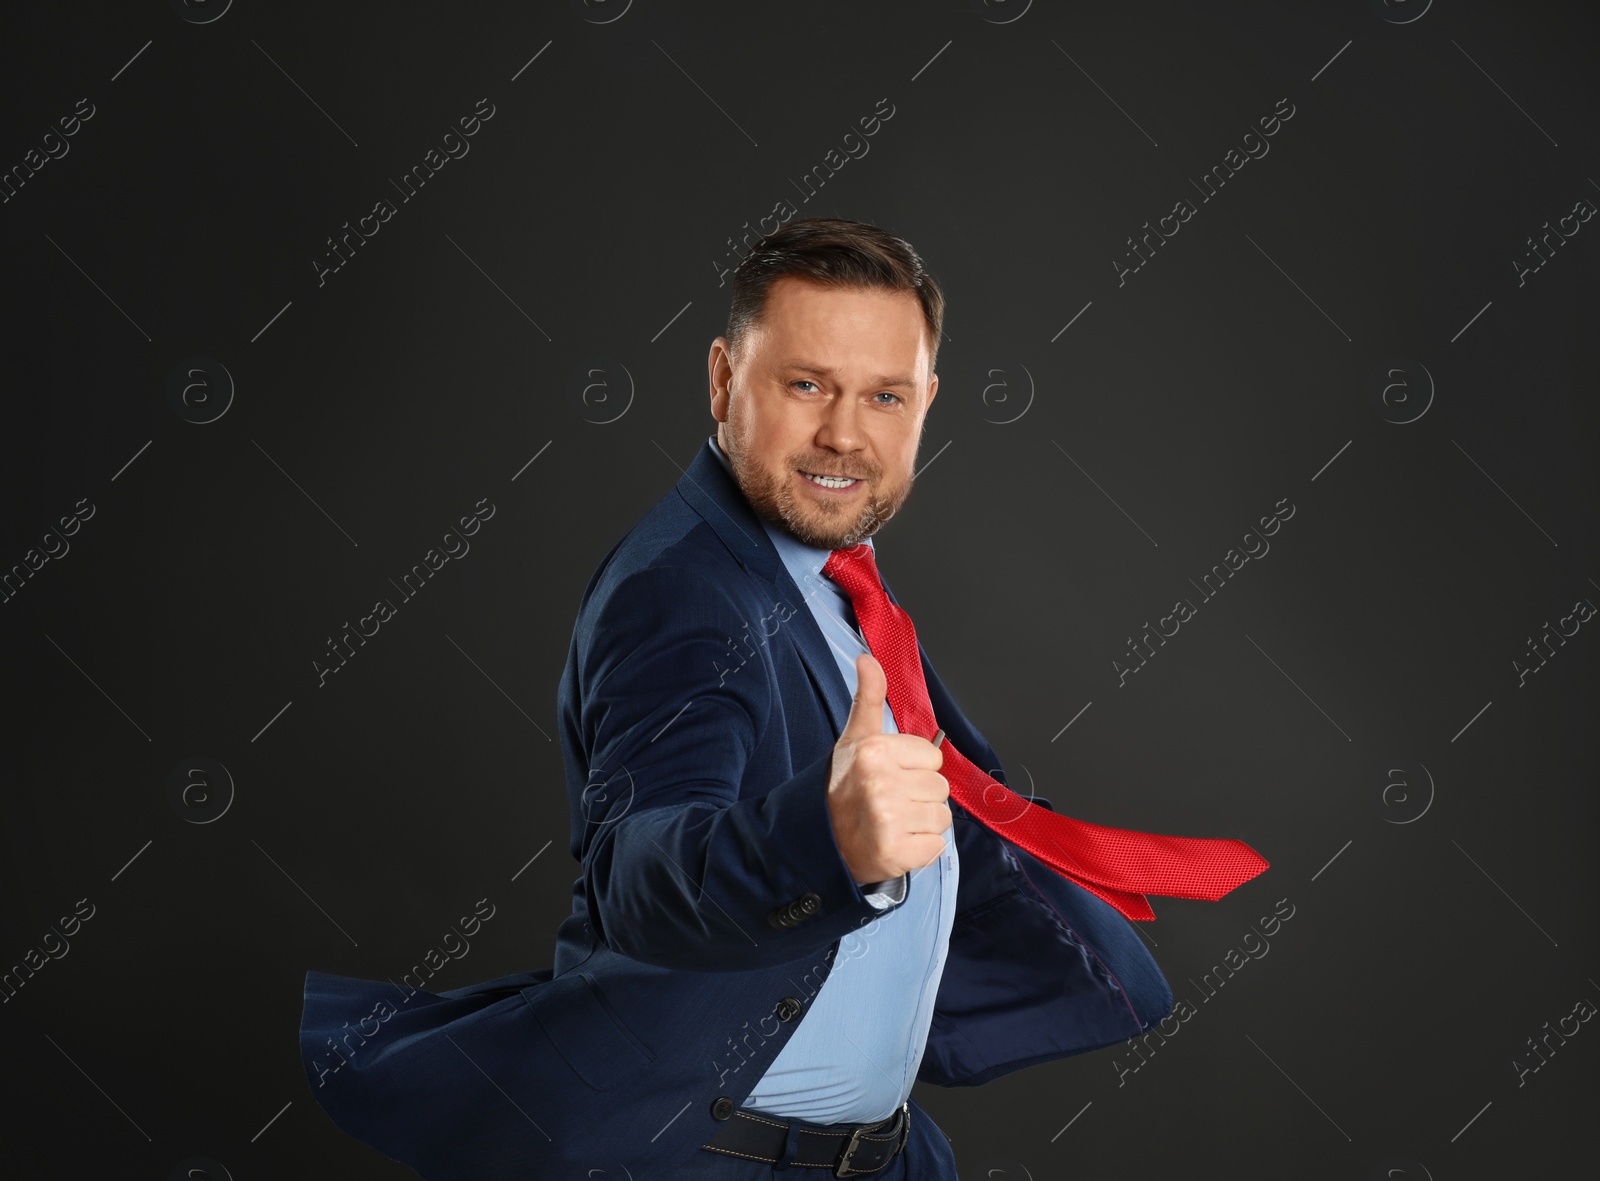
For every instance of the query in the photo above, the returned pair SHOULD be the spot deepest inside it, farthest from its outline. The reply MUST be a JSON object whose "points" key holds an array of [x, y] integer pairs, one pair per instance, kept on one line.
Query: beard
{"points": [[815, 522]]}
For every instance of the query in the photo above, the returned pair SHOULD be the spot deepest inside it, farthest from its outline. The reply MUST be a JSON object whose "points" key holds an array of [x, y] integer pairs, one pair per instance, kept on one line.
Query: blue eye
{"points": [[806, 381]]}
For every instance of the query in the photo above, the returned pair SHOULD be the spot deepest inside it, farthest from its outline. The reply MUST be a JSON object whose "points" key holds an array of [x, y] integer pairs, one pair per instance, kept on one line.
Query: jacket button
{"points": [[788, 1008], [722, 1108], [810, 902]]}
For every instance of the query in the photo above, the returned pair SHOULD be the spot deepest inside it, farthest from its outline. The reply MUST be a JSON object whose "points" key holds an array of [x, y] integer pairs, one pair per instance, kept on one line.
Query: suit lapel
{"points": [[711, 491]]}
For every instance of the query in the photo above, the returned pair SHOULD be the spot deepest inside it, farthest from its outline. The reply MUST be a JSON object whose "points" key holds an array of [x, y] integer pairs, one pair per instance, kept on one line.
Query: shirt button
{"points": [[722, 1108]]}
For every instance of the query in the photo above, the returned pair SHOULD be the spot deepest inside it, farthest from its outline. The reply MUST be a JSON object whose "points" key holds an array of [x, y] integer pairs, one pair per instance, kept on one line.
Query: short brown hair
{"points": [[835, 252]]}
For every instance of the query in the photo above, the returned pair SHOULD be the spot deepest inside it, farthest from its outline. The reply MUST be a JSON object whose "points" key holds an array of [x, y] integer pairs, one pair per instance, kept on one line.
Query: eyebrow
{"points": [[824, 371]]}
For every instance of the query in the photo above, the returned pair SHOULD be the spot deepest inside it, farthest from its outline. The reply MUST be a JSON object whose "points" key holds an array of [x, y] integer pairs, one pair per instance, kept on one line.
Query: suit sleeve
{"points": [[680, 871]]}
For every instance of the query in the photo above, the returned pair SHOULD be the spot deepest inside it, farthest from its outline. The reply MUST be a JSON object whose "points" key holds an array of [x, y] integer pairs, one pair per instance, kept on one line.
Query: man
{"points": [[782, 919]]}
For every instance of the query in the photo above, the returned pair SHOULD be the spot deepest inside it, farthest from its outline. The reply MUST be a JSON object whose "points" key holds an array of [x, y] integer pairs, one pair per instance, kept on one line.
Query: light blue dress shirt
{"points": [[856, 1053]]}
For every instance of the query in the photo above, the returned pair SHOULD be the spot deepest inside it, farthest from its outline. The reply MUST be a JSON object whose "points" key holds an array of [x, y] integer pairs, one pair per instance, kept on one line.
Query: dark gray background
{"points": [[1122, 457]]}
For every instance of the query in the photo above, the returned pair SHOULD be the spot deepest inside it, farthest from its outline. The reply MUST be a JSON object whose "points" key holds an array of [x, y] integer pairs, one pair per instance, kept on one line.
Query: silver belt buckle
{"points": [[855, 1136], [849, 1151]]}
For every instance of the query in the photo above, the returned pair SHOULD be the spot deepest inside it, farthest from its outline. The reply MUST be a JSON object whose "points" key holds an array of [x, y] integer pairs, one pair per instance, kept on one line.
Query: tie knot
{"points": [[855, 570]]}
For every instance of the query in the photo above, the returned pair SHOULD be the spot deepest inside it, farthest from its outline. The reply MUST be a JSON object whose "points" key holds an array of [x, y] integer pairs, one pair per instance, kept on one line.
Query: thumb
{"points": [[866, 708]]}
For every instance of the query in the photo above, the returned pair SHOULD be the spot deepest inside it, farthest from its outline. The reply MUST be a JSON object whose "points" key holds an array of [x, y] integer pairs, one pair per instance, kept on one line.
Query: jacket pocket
{"points": [[586, 1030], [966, 916]]}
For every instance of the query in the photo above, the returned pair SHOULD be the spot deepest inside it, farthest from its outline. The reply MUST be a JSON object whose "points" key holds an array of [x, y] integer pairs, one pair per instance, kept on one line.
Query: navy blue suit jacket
{"points": [[699, 708]]}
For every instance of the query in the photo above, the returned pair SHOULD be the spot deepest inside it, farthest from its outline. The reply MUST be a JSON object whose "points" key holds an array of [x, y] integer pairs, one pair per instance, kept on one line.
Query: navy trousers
{"points": [[927, 1157]]}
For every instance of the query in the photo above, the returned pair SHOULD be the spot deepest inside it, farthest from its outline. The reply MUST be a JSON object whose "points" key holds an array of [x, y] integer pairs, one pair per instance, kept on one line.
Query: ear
{"points": [[719, 374], [933, 389]]}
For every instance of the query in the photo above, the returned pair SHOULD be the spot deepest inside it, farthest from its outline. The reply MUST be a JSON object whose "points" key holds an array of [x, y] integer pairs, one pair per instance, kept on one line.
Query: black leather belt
{"points": [[850, 1151]]}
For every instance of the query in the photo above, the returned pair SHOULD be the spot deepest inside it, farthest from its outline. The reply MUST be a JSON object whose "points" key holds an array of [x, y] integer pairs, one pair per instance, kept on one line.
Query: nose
{"points": [[840, 428]]}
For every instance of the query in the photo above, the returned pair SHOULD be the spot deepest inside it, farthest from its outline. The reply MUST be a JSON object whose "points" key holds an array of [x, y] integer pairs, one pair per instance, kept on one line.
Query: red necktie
{"points": [[1116, 864]]}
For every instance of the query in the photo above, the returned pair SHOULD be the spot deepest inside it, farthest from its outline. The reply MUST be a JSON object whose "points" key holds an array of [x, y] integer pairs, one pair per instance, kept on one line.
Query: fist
{"points": [[886, 798]]}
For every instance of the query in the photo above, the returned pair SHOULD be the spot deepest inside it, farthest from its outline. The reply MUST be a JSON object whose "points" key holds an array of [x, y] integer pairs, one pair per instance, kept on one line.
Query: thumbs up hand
{"points": [[886, 798]]}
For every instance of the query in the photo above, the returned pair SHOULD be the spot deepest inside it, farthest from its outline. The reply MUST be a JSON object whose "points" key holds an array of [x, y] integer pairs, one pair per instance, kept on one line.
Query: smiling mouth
{"points": [[826, 481]]}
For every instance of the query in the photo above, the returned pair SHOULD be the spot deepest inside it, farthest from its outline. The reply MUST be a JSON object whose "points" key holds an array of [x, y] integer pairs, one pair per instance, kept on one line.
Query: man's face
{"points": [[833, 382]]}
